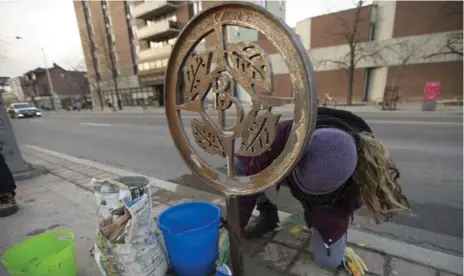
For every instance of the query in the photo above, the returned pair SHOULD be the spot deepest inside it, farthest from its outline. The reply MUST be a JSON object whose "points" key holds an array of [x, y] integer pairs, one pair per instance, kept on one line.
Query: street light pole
{"points": [[52, 90], [50, 83]]}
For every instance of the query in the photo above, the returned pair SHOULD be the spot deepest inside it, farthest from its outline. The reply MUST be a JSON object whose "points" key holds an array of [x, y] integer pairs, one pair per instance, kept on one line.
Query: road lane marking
{"points": [[96, 124]]}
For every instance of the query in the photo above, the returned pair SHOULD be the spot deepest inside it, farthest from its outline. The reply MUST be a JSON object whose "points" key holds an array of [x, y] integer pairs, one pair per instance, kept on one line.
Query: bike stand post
{"points": [[235, 234]]}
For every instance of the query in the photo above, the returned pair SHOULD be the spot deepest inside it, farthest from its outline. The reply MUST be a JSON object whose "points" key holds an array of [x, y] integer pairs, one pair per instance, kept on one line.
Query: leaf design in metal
{"points": [[258, 132], [206, 136], [249, 65], [197, 68]]}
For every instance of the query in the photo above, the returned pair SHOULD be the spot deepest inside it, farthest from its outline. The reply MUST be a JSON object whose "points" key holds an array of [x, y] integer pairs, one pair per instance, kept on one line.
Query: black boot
{"points": [[8, 205], [266, 222]]}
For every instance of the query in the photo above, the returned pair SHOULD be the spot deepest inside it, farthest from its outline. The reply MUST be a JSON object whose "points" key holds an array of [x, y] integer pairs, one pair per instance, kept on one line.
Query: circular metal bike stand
{"points": [[191, 75]]}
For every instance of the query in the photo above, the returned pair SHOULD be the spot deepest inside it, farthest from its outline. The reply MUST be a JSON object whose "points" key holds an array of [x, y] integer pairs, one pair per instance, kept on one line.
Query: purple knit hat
{"points": [[329, 161]]}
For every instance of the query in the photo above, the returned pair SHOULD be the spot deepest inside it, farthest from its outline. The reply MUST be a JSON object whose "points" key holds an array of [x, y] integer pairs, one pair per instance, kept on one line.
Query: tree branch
{"points": [[341, 64], [453, 46]]}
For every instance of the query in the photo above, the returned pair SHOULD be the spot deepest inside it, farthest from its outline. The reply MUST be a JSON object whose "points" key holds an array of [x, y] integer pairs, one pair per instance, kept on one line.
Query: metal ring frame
{"points": [[190, 76]]}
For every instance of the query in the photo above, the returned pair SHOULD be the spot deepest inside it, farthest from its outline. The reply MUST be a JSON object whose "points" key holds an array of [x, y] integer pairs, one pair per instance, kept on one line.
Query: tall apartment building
{"points": [[157, 25], [110, 51], [127, 44], [401, 43]]}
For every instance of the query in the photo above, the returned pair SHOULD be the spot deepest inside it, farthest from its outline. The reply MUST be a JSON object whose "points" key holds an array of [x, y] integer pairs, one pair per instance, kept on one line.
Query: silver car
{"points": [[23, 110]]}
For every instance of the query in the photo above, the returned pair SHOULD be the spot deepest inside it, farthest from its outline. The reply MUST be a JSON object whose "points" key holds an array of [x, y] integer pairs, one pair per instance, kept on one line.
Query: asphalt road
{"points": [[427, 149]]}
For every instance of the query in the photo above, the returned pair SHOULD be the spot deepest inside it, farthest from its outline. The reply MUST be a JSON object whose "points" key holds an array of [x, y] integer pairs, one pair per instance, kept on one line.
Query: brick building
{"points": [[401, 43], [128, 43], [69, 87], [110, 49], [157, 25]]}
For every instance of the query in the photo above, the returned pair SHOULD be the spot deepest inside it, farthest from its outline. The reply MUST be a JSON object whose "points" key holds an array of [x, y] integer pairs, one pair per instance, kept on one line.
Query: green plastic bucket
{"points": [[50, 253]]}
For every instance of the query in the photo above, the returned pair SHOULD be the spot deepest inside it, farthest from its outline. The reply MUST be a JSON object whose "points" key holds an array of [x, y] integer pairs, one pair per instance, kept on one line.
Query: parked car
{"points": [[23, 110]]}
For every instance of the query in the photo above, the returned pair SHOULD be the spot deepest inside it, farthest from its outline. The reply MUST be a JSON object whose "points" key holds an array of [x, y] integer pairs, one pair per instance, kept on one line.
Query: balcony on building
{"points": [[158, 31], [151, 9], [152, 53]]}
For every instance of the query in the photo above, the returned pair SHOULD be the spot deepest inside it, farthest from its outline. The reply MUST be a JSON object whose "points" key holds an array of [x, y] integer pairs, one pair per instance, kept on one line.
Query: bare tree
{"points": [[406, 52], [79, 65], [450, 10], [358, 51], [453, 46], [107, 51]]}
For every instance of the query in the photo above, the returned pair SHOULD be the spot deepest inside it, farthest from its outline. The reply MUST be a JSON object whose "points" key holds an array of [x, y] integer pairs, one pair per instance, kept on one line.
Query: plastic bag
{"points": [[294, 223], [224, 248]]}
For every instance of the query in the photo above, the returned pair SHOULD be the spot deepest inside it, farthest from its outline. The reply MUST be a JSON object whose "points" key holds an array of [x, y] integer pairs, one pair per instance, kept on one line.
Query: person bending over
{"points": [[343, 168]]}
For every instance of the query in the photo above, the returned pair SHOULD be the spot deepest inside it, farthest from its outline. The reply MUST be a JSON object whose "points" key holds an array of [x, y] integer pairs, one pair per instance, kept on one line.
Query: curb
{"points": [[419, 255], [31, 172]]}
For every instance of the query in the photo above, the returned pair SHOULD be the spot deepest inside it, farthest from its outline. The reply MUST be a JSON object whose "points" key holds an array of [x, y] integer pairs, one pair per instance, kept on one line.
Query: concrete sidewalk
{"points": [[62, 200]]}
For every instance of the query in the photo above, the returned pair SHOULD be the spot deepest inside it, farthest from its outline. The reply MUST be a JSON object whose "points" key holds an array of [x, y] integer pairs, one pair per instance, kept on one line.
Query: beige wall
{"points": [[303, 29], [385, 19]]}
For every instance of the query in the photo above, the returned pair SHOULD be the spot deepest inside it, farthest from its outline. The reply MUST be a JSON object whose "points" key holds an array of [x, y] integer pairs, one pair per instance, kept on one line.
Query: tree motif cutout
{"points": [[246, 64]]}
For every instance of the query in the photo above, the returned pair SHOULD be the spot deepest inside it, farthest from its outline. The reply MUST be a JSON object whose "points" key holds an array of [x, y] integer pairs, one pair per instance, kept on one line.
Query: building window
{"points": [[152, 65], [263, 3], [282, 4], [140, 67], [146, 66], [159, 64], [165, 62]]}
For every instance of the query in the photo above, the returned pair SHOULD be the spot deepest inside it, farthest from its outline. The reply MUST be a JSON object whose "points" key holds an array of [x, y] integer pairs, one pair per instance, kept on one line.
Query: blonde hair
{"points": [[376, 179]]}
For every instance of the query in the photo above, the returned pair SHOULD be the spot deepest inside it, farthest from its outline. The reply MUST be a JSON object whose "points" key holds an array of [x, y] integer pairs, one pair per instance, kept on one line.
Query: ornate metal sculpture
{"points": [[192, 75]]}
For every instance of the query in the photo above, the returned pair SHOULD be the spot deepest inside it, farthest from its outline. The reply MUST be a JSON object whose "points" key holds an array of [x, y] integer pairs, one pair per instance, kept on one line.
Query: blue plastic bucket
{"points": [[191, 234]]}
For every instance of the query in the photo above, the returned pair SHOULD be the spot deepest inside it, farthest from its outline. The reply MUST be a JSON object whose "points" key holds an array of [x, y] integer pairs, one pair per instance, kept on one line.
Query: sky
{"points": [[52, 25]]}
